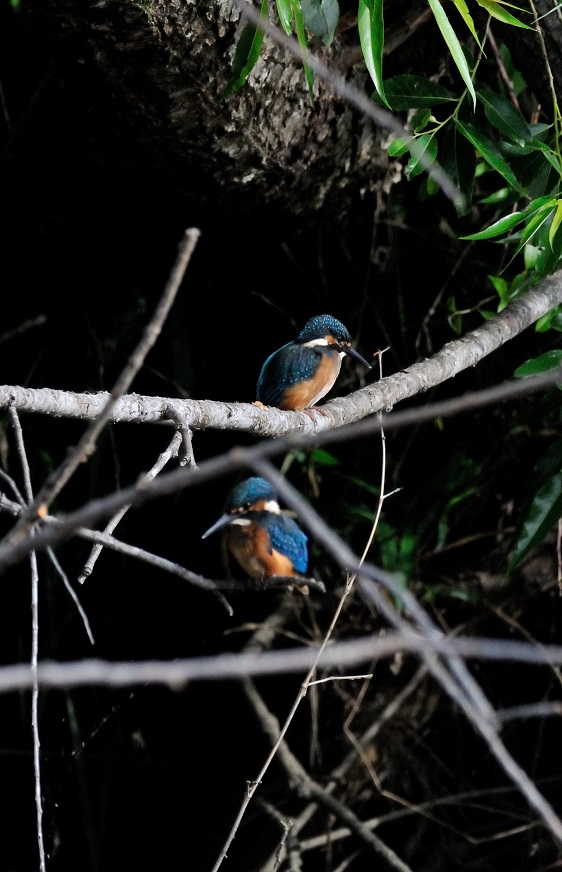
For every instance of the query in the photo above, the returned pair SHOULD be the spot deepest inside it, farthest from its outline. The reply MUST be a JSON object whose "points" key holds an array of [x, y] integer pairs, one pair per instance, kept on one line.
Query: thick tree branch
{"points": [[363, 649], [454, 357]]}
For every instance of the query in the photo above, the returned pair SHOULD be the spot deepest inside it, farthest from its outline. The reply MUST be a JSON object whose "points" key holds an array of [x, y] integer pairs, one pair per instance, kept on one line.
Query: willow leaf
{"points": [[467, 18], [496, 10], [453, 45], [490, 153], [370, 22]]}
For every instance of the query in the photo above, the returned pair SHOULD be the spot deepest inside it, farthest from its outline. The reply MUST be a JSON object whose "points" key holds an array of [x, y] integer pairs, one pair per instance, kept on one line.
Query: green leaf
{"points": [[544, 512], [547, 152], [498, 227], [551, 321], [531, 255], [467, 18], [499, 196], [414, 92], [500, 286], [303, 43], [398, 147], [420, 120], [497, 11], [549, 256], [544, 363], [425, 154], [320, 457], [503, 115], [246, 54], [370, 23], [321, 18], [453, 45], [556, 219], [490, 153], [285, 13], [534, 225], [459, 162]]}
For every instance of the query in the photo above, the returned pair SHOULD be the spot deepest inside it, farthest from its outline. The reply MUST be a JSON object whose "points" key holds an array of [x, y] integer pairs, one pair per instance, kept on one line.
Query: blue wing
{"points": [[284, 368], [288, 538]]}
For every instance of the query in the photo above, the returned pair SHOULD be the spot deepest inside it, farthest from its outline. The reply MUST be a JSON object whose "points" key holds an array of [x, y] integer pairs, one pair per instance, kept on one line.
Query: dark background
{"points": [[149, 778]]}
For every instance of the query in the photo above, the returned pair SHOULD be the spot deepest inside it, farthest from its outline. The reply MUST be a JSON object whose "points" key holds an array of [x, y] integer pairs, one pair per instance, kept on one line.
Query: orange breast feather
{"points": [[251, 547], [307, 393]]}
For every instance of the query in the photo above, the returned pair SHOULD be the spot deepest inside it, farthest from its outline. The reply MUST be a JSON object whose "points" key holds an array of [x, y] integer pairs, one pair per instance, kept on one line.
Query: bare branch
{"points": [[454, 357], [34, 645], [346, 654], [163, 458], [244, 458], [308, 788], [60, 477], [105, 539]]}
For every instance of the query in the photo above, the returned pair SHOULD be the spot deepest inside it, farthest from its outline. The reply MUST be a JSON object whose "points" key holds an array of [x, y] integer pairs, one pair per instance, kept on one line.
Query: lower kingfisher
{"points": [[300, 373], [264, 541]]}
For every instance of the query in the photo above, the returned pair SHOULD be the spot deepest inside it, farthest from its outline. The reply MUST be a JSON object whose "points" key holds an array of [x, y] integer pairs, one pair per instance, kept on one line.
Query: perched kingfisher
{"points": [[300, 373], [264, 541]]}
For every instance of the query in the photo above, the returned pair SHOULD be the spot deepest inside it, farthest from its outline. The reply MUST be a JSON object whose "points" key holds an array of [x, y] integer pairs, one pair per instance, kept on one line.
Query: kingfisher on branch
{"points": [[265, 542], [300, 373]]}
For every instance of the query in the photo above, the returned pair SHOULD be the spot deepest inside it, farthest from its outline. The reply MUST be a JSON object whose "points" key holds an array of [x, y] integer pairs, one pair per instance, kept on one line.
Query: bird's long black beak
{"points": [[223, 521], [352, 353]]}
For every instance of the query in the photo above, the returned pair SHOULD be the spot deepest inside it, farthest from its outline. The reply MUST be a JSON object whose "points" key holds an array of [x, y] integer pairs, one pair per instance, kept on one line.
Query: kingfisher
{"points": [[300, 373], [265, 542]]}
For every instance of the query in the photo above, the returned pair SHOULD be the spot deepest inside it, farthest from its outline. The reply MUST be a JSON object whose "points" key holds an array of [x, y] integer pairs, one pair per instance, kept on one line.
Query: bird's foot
{"points": [[315, 409]]}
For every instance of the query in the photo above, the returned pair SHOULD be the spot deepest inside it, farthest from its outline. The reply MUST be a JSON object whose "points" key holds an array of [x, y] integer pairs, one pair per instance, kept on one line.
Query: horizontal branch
{"points": [[454, 357], [175, 673]]}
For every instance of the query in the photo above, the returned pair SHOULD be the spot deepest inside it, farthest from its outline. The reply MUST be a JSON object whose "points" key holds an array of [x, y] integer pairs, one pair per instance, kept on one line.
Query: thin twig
{"points": [[265, 469], [16, 426], [86, 445], [16, 509], [109, 541], [187, 457], [462, 799], [487, 730], [72, 592], [170, 452], [308, 788]]}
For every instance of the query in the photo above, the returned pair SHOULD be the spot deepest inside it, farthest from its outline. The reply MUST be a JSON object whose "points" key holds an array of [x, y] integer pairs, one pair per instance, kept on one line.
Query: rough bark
{"points": [[157, 70]]}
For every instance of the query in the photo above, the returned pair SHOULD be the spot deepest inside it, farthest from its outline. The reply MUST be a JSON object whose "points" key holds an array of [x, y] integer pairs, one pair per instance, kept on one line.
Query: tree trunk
{"points": [[156, 71]]}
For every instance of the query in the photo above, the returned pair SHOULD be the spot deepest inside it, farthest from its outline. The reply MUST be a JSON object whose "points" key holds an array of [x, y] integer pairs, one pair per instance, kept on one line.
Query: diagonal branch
{"points": [[54, 484], [453, 358], [244, 458]]}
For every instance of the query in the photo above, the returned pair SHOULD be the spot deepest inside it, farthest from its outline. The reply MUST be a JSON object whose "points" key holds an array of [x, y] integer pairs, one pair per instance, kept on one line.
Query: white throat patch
{"points": [[314, 342], [272, 506]]}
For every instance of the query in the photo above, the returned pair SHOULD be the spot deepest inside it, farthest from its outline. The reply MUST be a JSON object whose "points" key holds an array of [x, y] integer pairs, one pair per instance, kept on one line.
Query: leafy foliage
{"points": [[510, 163]]}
